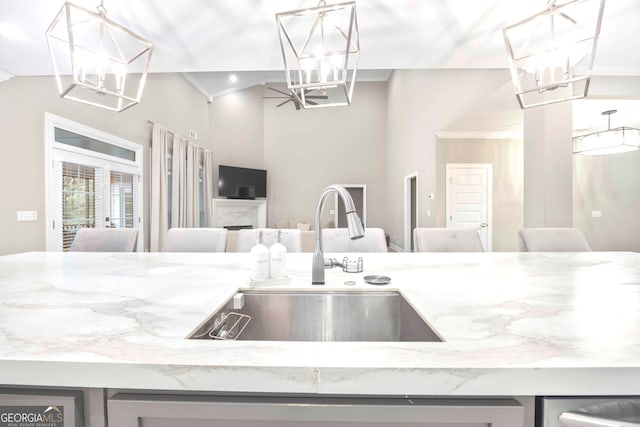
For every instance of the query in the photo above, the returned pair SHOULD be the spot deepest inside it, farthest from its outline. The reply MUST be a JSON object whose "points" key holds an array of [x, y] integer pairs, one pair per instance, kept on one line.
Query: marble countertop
{"points": [[513, 324]]}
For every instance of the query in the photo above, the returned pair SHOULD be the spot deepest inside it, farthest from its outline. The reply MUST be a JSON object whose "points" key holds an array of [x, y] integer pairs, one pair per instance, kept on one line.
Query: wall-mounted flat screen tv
{"points": [[241, 183]]}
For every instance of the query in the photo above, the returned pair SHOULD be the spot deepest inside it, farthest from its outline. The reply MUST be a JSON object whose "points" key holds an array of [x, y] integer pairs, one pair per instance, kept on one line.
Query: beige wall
{"points": [[236, 127], [420, 104], [548, 171], [306, 150], [506, 157], [610, 184], [167, 99]]}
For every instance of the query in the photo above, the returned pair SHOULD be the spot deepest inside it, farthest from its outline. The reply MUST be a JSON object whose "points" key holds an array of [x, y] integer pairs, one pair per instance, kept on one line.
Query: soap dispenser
{"points": [[260, 259], [278, 258]]}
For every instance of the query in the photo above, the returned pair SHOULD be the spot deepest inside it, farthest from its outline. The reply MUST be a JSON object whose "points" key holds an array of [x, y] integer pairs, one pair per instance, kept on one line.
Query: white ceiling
{"points": [[240, 35], [208, 39]]}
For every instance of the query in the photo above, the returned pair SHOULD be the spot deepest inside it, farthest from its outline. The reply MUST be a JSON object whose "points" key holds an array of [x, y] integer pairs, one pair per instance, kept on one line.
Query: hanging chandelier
{"points": [[320, 48], [95, 60], [551, 53], [610, 141]]}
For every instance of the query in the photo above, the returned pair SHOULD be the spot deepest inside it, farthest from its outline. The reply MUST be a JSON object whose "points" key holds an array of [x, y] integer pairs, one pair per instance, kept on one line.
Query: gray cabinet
{"points": [[56, 407], [155, 410]]}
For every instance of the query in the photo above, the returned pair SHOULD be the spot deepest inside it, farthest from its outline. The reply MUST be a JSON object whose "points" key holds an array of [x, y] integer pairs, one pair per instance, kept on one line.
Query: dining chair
{"points": [[447, 240], [195, 240], [290, 238], [105, 240], [552, 239], [337, 240]]}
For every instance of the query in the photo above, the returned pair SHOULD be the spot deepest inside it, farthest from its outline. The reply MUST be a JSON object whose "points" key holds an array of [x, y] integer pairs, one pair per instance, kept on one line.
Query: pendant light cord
{"points": [[608, 113]]}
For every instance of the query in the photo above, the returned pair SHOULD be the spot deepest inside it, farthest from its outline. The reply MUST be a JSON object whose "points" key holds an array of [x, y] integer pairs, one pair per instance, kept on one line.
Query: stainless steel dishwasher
{"points": [[620, 411]]}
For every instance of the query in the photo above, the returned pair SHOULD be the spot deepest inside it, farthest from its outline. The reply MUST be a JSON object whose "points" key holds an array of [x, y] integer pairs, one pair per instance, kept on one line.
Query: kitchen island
{"points": [[513, 324]]}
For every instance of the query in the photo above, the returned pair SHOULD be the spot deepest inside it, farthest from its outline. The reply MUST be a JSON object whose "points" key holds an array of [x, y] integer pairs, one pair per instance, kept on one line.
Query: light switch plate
{"points": [[596, 214], [27, 215]]}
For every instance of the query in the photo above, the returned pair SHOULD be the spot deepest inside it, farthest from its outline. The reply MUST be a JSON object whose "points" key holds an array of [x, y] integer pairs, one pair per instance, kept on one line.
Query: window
{"points": [[123, 212], [73, 139], [93, 180], [79, 191]]}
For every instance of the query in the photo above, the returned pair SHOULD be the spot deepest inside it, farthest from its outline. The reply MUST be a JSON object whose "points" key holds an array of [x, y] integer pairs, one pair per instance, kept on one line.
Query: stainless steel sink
{"points": [[284, 315]]}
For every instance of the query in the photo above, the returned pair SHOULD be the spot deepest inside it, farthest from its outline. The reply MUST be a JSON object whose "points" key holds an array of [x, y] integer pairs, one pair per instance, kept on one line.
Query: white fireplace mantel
{"points": [[240, 212]]}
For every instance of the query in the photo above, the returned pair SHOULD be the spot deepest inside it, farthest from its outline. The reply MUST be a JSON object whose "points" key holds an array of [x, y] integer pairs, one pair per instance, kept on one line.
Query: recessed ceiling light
{"points": [[233, 78]]}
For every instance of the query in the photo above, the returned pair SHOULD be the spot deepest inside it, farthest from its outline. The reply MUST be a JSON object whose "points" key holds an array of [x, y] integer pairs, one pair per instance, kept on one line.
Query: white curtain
{"points": [[179, 183], [185, 184], [188, 184], [159, 187], [207, 176], [193, 186]]}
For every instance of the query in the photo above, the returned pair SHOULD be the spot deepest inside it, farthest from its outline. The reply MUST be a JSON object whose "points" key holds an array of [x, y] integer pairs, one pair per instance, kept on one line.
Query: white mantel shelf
{"points": [[514, 324]]}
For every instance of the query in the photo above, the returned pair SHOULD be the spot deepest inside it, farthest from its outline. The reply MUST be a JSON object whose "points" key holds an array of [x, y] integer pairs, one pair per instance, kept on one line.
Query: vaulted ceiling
{"points": [[205, 39]]}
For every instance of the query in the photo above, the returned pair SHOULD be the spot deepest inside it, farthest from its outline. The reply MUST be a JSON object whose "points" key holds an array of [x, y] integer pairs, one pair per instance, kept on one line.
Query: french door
{"points": [[94, 196], [94, 183]]}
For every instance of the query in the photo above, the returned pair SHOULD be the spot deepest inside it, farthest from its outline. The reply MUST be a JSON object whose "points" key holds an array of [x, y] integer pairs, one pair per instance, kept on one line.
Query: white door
{"points": [[94, 180], [469, 199], [86, 193]]}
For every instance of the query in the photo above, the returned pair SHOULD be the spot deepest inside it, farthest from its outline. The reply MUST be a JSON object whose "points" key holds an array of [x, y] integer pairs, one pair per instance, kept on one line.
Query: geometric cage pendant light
{"points": [[320, 48], [610, 141], [551, 54], [95, 60]]}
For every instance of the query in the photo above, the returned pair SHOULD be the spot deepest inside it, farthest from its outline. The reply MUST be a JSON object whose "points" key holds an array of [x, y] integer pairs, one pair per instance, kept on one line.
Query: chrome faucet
{"points": [[354, 225]]}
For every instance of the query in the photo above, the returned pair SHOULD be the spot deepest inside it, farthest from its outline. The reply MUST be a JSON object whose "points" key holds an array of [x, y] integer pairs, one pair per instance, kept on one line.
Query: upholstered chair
{"points": [[337, 240], [105, 240], [552, 239], [447, 240], [195, 240]]}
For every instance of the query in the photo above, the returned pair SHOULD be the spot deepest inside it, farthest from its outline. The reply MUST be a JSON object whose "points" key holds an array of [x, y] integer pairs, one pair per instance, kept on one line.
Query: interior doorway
{"points": [[410, 210], [469, 199]]}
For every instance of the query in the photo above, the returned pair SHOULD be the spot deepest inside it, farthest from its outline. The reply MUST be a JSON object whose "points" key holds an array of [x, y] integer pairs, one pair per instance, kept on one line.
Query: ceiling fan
{"points": [[288, 97]]}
